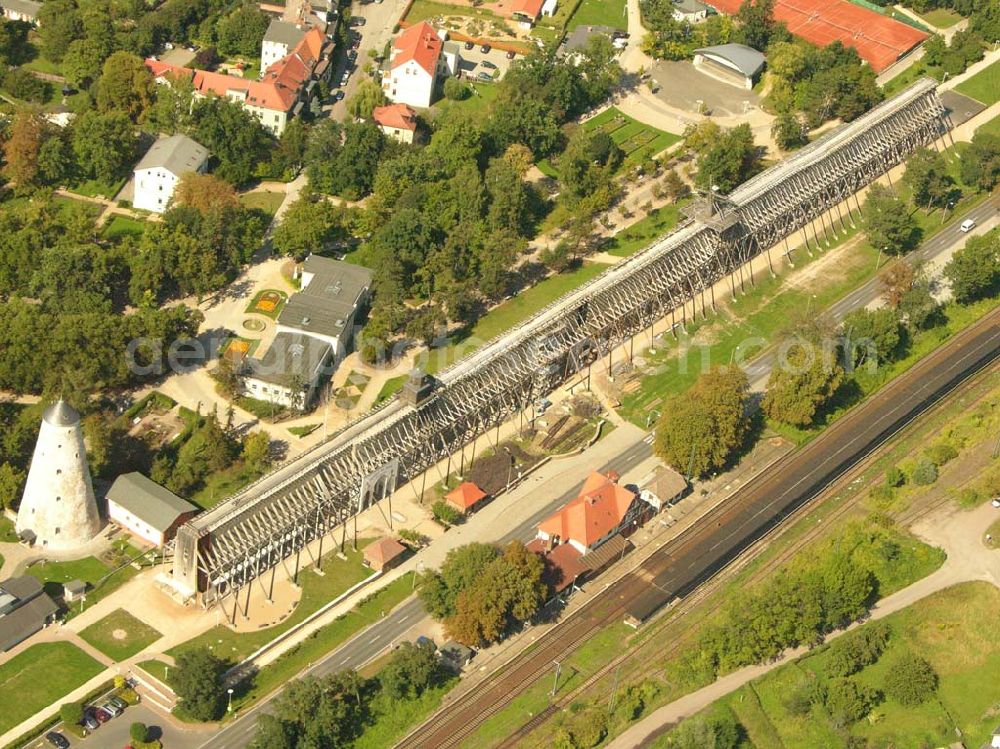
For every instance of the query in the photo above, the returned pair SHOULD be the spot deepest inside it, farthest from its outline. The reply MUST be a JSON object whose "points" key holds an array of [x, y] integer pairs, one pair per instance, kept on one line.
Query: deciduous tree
{"points": [[974, 270], [197, 680], [126, 85], [801, 382], [888, 223]]}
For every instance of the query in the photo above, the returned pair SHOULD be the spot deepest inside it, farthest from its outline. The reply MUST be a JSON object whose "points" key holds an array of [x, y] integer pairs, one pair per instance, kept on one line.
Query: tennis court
{"points": [[878, 39]]}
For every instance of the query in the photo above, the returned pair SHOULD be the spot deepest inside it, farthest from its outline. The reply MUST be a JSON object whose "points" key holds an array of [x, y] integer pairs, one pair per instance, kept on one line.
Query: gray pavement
{"points": [[682, 86], [114, 734]]}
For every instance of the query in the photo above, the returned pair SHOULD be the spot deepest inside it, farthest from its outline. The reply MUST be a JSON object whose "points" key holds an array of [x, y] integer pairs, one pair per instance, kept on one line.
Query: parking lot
{"points": [[115, 733], [473, 62]]}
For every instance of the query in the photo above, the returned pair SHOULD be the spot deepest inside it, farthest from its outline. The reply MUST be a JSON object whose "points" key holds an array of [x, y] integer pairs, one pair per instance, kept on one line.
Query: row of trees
{"points": [[481, 593]]}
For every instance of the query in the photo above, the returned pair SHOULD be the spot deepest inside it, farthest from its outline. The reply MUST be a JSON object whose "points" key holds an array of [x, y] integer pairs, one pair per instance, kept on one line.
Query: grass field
{"points": [[39, 677], [422, 10], [482, 95], [266, 201], [338, 576], [635, 138], [956, 630], [508, 315], [91, 570], [123, 226], [7, 532], [119, 635], [599, 13], [984, 86], [390, 388], [642, 232], [942, 18], [992, 127], [389, 726], [93, 188]]}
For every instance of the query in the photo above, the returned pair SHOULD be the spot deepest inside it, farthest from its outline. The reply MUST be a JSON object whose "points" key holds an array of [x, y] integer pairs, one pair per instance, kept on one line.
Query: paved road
{"points": [[759, 369], [373, 641], [114, 733]]}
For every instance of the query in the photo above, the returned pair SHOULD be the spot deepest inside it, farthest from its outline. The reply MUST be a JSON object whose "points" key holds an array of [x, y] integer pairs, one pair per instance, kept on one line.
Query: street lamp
{"points": [[649, 417], [230, 708], [510, 467], [878, 260]]}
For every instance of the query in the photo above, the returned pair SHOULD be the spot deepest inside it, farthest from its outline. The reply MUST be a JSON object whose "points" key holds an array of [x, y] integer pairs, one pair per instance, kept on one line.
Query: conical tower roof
{"points": [[61, 414]]}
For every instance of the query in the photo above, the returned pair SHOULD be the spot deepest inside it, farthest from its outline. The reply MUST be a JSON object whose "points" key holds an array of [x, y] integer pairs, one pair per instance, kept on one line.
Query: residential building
{"points": [[602, 510], [327, 306], [668, 487], [25, 608], [562, 565], [398, 121], [578, 39], [279, 41], [455, 655], [736, 64], [159, 171], [691, 11], [467, 497], [147, 510], [284, 89], [290, 372], [420, 58], [384, 554], [21, 10], [525, 12]]}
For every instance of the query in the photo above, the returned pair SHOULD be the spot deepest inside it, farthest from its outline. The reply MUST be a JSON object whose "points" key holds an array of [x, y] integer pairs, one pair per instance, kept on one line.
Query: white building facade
{"points": [[159, 171]]}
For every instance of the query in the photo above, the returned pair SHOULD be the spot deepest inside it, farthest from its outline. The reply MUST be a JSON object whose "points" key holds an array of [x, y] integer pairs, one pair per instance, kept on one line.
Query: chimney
{"points": [[613, 477]]}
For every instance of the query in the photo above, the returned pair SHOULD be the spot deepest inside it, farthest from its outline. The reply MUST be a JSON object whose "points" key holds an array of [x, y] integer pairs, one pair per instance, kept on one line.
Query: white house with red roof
{"points": [[398, 121], [420, 58], [282, 91], [526, 12], [602, 510]]}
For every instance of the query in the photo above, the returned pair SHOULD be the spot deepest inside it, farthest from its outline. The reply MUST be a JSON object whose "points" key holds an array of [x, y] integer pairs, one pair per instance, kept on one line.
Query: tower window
{"points": [[58, 498], [58, 471], [57, 531]]}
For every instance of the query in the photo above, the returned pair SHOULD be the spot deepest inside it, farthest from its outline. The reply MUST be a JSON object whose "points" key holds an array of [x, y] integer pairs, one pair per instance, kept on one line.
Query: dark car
{"points": [[352, 55], [102, 715], [57, 740], [469, 45], [90, 721], [484, 76], [356, 21], [118, 702], [485, 49], [511, 54], [337, 95], [488, 64]]}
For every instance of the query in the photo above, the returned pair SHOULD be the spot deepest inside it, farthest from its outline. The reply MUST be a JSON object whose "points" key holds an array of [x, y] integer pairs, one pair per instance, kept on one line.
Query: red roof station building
{"points": [[467, 497]]}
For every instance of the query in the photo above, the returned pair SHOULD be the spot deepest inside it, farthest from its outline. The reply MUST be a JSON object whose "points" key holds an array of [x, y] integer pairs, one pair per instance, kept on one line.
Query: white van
{"points": [[967, 225]]}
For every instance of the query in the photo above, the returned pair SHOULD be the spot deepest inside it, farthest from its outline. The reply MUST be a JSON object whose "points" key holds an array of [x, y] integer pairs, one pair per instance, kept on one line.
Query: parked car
{"points": [[57, 740], [511, 54], [484, 76], [469, 45], [352, 55], [102, 715], [356, 21], [89, 721], [118, 702], [485, 49], [996, 502], [488, 64], [345, 78], [967, 225], [337, 95], [111, 709]]}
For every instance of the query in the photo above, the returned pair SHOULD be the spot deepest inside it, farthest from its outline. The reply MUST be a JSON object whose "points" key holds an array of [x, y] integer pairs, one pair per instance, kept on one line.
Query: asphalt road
{"points": [[373, 641]]}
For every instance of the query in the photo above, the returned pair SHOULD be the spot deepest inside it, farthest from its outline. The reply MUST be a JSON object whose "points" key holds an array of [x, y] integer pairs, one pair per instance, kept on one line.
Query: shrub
{"points": [[882, 495], [138, 733], [589, 728], [23, 85], [411, 536], [849, 701], [804, 695], [854, 651], [445, 513], [455, 90], [894, 477], [940, 453], [71, 713], [910, 680], [924, 473]]}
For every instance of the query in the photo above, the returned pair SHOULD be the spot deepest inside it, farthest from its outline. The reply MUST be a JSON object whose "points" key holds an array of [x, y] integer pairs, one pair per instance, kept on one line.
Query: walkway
{"points": [[956, 531]]}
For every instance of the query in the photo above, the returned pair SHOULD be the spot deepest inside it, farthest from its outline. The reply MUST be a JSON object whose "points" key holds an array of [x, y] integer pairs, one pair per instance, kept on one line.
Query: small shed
{"points": [[455, 655], [467, 497], [384, 554], [147, 510], [668, 486], [74, 590]]}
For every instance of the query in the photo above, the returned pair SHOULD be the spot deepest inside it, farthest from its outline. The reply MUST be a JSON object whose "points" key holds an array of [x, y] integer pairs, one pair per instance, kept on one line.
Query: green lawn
{"points": [[266, 307], [266, 201], [942, 18], [508, 315], [39, 677], [123, 226], [600, 13], [992, 127], [956, 630], [421, 10], [91, 570], [643, 232], [119, 635], [388, 727], [390, 388], [7, 532], [338, 576], [481, 96], [635, 138], [303, 431], [984, 86], [93, 188]]}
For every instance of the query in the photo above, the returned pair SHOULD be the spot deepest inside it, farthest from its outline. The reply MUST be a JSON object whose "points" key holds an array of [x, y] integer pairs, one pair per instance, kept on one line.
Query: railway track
{"points": [[682, 567]]}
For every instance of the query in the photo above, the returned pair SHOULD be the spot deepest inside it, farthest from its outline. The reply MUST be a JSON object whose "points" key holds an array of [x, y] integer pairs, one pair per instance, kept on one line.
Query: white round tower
{"points": [[58, 504]]}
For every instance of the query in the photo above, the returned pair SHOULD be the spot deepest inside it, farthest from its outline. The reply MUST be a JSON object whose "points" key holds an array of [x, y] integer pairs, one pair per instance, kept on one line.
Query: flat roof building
{"points": [[290, 371]]}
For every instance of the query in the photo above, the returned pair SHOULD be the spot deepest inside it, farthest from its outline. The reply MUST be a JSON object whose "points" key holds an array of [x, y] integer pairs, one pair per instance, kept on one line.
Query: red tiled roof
{"points": [[419, 43], [467, 493], [384, 550], [278, 89], [879, 40], [562, 564], [404, 117], [600, 507], [530, 8]]}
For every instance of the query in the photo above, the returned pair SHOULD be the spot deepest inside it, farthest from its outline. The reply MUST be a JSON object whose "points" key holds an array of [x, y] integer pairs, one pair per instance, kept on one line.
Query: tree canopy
{"points": [[974, 270]]}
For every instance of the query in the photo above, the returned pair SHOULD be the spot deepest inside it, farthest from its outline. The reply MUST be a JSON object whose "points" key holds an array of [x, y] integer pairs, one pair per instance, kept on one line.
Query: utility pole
{"points": [[555, 681], [614, 690]]}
